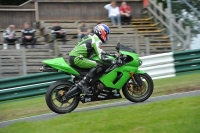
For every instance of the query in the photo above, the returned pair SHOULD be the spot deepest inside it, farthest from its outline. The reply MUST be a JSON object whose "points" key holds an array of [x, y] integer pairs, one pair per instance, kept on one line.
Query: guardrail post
{"points": [[137, 43], [1, 68], [119, 39], [155, 19], [160, 5], [133, 42], [188, 38], [171, 29], [47, 38], [36, 12], [24, 62], [56, 48], [147, 46]]}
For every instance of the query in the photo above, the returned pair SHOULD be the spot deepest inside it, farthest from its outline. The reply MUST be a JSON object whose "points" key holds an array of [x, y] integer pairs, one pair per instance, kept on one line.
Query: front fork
{"points": [[136, 79]]}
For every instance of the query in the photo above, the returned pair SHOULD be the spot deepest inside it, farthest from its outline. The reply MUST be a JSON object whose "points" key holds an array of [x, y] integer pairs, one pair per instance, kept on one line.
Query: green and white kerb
{"points": [[171, 64]]}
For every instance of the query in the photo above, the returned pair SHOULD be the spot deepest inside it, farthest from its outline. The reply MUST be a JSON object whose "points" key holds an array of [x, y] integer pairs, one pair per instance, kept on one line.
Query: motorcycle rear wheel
{"points": [[139, 94], [54, 100]]}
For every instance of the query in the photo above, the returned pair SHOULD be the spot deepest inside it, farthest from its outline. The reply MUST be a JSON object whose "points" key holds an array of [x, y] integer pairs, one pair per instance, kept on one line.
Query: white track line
{"points": [[26, 86], [97, 106]]}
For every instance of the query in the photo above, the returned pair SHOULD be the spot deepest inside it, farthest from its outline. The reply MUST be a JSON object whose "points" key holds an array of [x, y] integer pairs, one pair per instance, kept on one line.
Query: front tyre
{"points": [[54, 97], [135, 93]]}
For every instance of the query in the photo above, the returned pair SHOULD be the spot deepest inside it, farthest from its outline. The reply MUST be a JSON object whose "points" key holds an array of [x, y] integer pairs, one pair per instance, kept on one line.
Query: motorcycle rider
{"points": [[86, 48]]}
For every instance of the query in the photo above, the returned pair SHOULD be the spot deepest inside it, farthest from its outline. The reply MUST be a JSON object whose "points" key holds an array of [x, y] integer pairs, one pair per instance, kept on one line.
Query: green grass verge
{"points": [[37, 105], [174, 116]]}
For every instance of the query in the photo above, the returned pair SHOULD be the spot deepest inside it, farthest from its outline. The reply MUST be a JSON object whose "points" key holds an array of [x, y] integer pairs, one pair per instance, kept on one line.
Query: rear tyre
{"points": [[54, 97], [134, 93]]}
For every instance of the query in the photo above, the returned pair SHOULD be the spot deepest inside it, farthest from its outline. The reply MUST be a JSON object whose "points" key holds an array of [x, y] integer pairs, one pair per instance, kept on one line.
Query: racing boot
{"points": [[83, 84]]}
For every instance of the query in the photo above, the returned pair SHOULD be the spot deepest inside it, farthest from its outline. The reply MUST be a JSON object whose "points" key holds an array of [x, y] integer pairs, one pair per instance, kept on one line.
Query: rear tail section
{"points": [[58, 64]]}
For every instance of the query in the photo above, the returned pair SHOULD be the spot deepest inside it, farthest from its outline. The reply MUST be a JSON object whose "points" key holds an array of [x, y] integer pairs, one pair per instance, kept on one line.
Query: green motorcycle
{"points": [[63, 96]]}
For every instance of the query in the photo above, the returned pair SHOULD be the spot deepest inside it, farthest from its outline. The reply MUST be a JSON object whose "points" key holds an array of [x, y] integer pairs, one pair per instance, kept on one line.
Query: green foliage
{"points": [[186, 14], [173, 116], [183, 12], [12, 2]]}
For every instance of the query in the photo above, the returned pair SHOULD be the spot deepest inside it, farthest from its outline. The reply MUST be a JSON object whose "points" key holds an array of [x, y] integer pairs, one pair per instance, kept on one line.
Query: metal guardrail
{"points": [[187, 60], [31, 79], [157, 66], [30, 85], [24, 91], [171, 64]]}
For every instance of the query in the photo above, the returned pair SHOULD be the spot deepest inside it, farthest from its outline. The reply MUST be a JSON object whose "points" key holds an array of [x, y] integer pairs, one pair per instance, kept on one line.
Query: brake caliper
{"points": [[61, 92]]}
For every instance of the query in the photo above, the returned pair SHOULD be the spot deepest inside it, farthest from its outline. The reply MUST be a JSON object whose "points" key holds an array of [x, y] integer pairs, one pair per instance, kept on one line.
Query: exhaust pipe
{"points": [[47, 69], [41, 69]]}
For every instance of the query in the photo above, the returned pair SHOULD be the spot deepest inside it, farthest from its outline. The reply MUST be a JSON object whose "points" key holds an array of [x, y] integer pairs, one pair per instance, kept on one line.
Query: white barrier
{"points": [[157, 59], [159, 66]]}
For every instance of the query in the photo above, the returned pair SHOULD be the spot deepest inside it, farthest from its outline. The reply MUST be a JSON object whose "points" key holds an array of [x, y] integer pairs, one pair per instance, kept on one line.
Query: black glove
{"points": [[110, 54], [114, 55], [105, 53]]}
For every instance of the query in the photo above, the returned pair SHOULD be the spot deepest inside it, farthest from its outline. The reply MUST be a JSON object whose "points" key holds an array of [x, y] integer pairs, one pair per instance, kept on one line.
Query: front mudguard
{"points": [[137, 77], [140, 72]]}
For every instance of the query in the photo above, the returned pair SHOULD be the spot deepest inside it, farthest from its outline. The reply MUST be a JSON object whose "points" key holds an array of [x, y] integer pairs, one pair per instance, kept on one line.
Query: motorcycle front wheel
{"points": [[135, 93], [54, 97]]}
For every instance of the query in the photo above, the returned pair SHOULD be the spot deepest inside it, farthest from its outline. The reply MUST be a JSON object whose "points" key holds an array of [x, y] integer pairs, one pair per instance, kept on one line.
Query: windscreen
{"points": [[124, 48]]}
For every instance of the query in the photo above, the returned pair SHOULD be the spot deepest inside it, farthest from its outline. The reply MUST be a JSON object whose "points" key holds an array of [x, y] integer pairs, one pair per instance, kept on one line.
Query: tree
{"points": [[12, 2], [184, 13]]}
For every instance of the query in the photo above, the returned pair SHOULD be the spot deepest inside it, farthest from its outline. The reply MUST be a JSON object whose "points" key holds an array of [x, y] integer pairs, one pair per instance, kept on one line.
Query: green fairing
{"points": [[60, 64], [132, 66], [135, 62], [108, 79]]}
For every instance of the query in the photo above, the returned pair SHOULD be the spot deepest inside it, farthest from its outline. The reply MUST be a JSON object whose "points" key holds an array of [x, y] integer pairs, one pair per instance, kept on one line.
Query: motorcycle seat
{"points": [[80, 70]]}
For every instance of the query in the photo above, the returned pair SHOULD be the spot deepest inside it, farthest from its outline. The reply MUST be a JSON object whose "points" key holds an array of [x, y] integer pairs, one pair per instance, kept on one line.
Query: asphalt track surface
{"points": [[97, 107]]}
